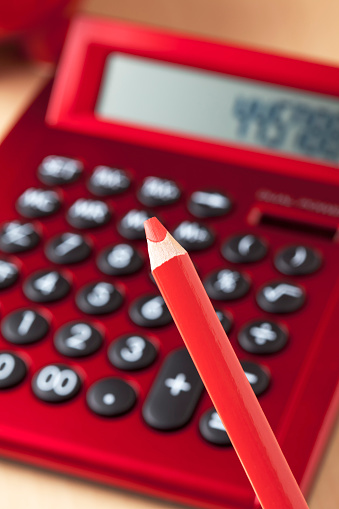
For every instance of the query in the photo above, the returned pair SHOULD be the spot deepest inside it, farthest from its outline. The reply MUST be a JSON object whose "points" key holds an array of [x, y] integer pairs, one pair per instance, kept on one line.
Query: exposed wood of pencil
{"points": [[223, 376]]}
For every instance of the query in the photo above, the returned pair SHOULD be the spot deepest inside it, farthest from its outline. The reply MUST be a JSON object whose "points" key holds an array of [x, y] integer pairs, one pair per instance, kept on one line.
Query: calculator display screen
{"points": [[219, 107]]}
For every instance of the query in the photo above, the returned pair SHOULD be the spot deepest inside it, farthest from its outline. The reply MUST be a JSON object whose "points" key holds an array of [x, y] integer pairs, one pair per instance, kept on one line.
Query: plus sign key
{"points": [[174, 394]]}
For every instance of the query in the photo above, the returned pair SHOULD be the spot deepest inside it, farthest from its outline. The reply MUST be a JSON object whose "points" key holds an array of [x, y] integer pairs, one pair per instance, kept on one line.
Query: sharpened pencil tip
{"points": [[154, 230]]}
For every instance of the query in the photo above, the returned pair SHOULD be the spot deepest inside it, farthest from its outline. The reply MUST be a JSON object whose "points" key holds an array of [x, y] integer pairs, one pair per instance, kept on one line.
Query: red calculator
{"points": [[237, 152]]}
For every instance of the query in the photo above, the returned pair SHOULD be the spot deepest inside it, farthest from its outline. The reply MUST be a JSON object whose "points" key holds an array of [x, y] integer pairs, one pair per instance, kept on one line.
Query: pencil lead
{"points": [[154, 230]]}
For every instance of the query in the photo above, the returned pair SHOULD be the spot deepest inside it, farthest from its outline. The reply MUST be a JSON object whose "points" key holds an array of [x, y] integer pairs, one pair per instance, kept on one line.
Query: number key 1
{"points": [[24, 326]]}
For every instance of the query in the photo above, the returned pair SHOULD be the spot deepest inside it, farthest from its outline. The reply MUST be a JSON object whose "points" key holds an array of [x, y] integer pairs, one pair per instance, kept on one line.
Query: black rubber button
{"points": [[150, 311], [86, 213], [212, 429], [46, 286], [281, 297], [77, 339], [38, 202], [297, 260], [58, 170], [106, 181], [257, 376], [16, 237], [12, 369], [119, 260], [244, 249], [156, 191], [209, 203], [227, 284], [68, 248], [111, 397], [24, 326], [99, 298], [131, 225], [132, 352], [174, 394], [226, 319], [9, 274], [193, 236], [263, 337], [56, 383]]}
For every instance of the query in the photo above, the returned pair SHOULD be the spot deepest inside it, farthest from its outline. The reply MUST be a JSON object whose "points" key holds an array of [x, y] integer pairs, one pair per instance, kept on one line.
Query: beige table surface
{"points": [[305, 28]]}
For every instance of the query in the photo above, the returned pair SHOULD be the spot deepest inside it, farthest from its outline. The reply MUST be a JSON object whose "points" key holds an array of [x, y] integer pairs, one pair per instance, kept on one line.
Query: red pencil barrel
{"points": [[225, 380]]}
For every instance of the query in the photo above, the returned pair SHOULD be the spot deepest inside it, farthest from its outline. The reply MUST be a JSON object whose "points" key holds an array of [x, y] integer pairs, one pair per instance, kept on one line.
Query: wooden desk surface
{"points": [[305, 28]]}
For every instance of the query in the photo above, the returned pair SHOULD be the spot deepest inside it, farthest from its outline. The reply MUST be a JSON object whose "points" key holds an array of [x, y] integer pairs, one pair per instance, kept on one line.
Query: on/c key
{"points": [[174, 394]]}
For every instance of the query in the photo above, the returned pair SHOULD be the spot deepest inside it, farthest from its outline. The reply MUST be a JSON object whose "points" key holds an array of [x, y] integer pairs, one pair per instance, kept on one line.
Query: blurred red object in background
{"points": [[38, 26]]}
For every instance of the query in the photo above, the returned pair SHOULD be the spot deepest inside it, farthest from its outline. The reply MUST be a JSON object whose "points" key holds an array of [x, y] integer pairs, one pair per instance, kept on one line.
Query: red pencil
{"points": [[221, 372]]}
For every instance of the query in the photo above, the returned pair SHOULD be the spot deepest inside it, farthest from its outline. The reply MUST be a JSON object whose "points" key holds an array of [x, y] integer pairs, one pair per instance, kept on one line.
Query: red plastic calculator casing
{"points": [[302, 400]]}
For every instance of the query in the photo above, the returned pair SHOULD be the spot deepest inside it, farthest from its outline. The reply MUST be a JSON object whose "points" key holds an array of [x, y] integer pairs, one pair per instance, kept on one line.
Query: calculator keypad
{"points": [[113, 349], [135, 352]]}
